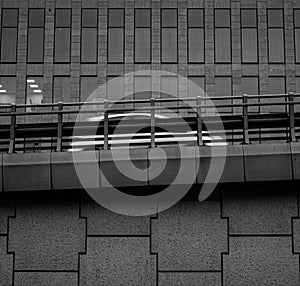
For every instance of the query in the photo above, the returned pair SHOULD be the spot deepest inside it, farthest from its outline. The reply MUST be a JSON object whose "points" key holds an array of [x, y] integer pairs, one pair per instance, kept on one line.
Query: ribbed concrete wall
{"points": [[244, 235]]}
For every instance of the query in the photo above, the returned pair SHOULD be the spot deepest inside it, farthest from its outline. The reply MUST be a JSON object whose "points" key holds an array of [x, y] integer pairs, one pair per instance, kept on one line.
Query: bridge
{"points": [[260, 132]]}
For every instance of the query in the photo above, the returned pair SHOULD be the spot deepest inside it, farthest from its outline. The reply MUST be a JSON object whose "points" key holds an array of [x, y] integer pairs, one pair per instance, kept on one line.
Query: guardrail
{"points": [[275, 118]]}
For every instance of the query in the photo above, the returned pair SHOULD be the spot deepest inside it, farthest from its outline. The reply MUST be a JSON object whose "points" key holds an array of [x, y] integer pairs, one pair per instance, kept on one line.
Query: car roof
{"points": [[101, 118]]}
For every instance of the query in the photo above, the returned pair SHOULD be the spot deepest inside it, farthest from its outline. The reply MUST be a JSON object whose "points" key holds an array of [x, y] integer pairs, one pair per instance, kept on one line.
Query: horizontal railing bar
{"points": [[188, 99]]}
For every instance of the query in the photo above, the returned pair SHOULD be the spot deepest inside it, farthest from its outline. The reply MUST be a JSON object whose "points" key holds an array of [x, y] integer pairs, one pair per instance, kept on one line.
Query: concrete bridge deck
{"points": [[244, 163]]}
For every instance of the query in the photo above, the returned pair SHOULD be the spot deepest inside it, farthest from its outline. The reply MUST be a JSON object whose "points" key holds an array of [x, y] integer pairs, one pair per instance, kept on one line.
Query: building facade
{"points": [[63, 50]]}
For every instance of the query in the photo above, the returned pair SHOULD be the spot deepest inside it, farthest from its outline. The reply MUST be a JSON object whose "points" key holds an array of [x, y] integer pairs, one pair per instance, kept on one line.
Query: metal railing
{"points": [[276, 119]]}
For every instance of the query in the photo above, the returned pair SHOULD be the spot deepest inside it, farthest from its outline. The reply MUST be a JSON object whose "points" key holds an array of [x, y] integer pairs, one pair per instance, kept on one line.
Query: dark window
{"points": [[275, 36], [196, 87], [34, 91], [195, 36], [223, 89], [169, 89], [222, 36], [142, 35], [62, 92], [88, 87], [200, 82], [142, 89], [297, 34], [62, 35], [249, 35], [297, 99], [169, 85], [9, 34], [276, 86], [115, 88], [36, 26], [115, 35], [89, 35], [7, 90], [169, 35], [250, 87], [61, 89]]}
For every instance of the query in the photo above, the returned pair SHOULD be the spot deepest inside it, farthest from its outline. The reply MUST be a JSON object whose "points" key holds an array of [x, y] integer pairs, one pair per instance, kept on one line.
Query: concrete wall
{"points": [[243, 235]]}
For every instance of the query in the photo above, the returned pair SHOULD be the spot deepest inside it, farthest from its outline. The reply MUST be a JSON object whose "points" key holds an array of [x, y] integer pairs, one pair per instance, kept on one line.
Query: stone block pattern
{"points": [[244, 236]]}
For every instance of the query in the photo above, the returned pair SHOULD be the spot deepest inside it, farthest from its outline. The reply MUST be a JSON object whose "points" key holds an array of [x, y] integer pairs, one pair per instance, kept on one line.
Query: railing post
{"points": [[152, 124], [12, 136], [59, 126], [245, 120], [199, 121], [292, 117], [105, 133]]}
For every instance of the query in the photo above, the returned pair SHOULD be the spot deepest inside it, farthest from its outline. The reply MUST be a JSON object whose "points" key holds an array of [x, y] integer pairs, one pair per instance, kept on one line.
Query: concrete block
{"points": [[189, 279], [117, 261], [183, 159], [296, 232], [295, 147], [233, 170], [1, 172], [6, 210], [261, 261], [260, 208], [47, 235], [45, 278], [267, 162], [26, 172], [6, 263], [118, 168], [101, 221], [190, 236], [64, 175]]}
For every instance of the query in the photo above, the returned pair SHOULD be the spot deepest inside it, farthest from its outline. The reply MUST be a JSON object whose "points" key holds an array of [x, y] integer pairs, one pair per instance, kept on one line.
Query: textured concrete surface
{"points": [[261, 261], [46, 235], [257, 211], [35, 167], [6, 210], [118, 261], [101, 221], [189, 279], [190, 236], [244, 236], [45, 279], [6, 263]]}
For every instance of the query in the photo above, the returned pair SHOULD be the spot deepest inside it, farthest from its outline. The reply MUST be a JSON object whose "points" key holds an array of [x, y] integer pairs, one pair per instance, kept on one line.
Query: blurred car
{"points": [[142, 137]]}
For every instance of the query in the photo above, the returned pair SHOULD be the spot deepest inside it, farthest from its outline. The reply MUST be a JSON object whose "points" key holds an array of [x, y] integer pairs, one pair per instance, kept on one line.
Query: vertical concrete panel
{"points": [[268, 162], [101, 221], [261, 261], [6, 263], [26, 172], [190, 237], [260, 209], [117, 261], [189, 279], [44, 278], [47, 235]]}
